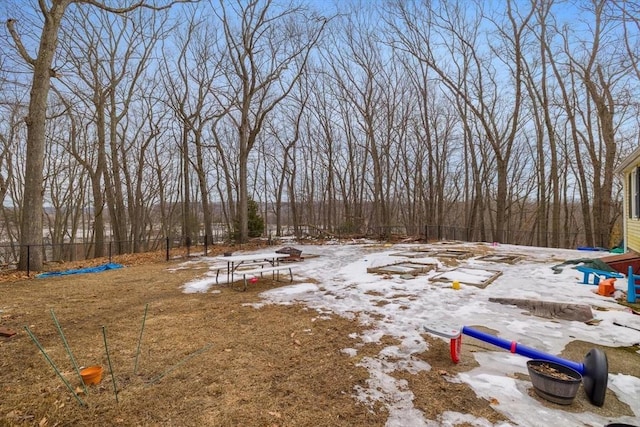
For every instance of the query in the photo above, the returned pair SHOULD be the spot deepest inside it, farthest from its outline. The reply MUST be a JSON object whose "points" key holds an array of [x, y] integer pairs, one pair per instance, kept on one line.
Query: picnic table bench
{"points": [[274, 270], [597, 275]]}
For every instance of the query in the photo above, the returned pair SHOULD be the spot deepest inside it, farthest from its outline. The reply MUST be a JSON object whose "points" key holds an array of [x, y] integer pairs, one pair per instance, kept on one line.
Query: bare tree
{"points": [[224, 143], [10, 134], [268, 48], [65, 190], [141, 187], [628, 12], [319, 123], [192, 96], [31, 222], [592, 69], [430, 156], [540, 88], [354, 69], [448, 29], [601, 76], [277, 148], [166, 173], [107, 59], [338, 143]]}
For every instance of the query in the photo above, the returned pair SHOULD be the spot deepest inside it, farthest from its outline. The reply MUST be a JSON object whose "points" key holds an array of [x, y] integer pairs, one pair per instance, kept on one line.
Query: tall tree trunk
{"points": [[243, 192], [186, 185], [31, 250], [204, 190]]}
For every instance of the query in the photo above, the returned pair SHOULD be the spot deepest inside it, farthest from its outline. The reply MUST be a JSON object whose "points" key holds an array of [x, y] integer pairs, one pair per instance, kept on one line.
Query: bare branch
{"points": [[140, 4], [16, 39], [43, 7]]}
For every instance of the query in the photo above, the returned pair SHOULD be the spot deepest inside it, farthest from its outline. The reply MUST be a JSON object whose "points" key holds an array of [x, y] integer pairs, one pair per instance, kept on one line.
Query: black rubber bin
{"points": [[294, 254]]}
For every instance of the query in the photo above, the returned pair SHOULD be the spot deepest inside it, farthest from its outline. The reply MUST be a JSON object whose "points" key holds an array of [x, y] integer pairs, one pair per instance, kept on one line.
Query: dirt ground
{"points": [[205, 359]]}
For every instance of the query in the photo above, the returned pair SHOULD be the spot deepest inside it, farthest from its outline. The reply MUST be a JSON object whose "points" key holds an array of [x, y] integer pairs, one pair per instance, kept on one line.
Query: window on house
{"points": [[636, 193], [630, 194]]}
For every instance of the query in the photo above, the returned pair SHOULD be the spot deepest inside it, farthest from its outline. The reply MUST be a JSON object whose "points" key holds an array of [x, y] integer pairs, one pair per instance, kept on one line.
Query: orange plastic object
{"points": [[606, 288], [91, 375]]}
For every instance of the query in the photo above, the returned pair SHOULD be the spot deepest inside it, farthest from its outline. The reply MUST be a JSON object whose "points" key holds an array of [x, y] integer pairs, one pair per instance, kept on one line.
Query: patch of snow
{"points": [[338, 284]]}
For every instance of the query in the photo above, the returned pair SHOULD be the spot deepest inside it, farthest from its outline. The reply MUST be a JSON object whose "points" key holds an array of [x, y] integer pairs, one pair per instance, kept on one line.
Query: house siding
{"points": [[633, 234], [631, 223]]}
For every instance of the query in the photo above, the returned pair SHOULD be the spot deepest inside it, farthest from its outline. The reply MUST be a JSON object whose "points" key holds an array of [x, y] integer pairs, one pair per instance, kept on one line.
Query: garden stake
{"points": [[159, 377], [53, 365], [106, 348], [135, 365], [66, 346]]}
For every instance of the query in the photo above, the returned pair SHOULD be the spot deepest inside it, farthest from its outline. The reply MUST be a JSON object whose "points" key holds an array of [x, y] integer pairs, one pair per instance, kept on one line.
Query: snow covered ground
{"points": [[338, 282]]}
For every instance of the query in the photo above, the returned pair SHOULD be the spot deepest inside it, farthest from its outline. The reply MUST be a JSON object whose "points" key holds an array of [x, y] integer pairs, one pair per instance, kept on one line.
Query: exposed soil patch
{"points": [[434, 389]]}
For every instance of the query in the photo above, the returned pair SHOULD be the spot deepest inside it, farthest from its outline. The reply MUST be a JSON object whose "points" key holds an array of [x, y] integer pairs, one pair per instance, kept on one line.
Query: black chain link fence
{"points": [[180, 247]]}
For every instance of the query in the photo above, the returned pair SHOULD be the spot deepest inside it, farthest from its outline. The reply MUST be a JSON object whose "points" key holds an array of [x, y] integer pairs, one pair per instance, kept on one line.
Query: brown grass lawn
{"points": [[208, 359]]}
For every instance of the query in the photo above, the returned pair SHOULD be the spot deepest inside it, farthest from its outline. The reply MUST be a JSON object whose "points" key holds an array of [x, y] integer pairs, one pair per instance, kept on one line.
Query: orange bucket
{"points": [[606, 287], [92, 374]]}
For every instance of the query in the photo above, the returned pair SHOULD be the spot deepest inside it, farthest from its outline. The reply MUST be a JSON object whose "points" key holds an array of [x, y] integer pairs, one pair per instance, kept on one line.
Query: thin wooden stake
{"points": [[53, 365], [113, 377], [66, 346], [144, 318]]}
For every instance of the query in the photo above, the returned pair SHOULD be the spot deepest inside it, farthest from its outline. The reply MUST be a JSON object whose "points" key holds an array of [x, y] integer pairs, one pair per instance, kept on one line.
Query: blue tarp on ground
{"points": [[104, 267]]}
